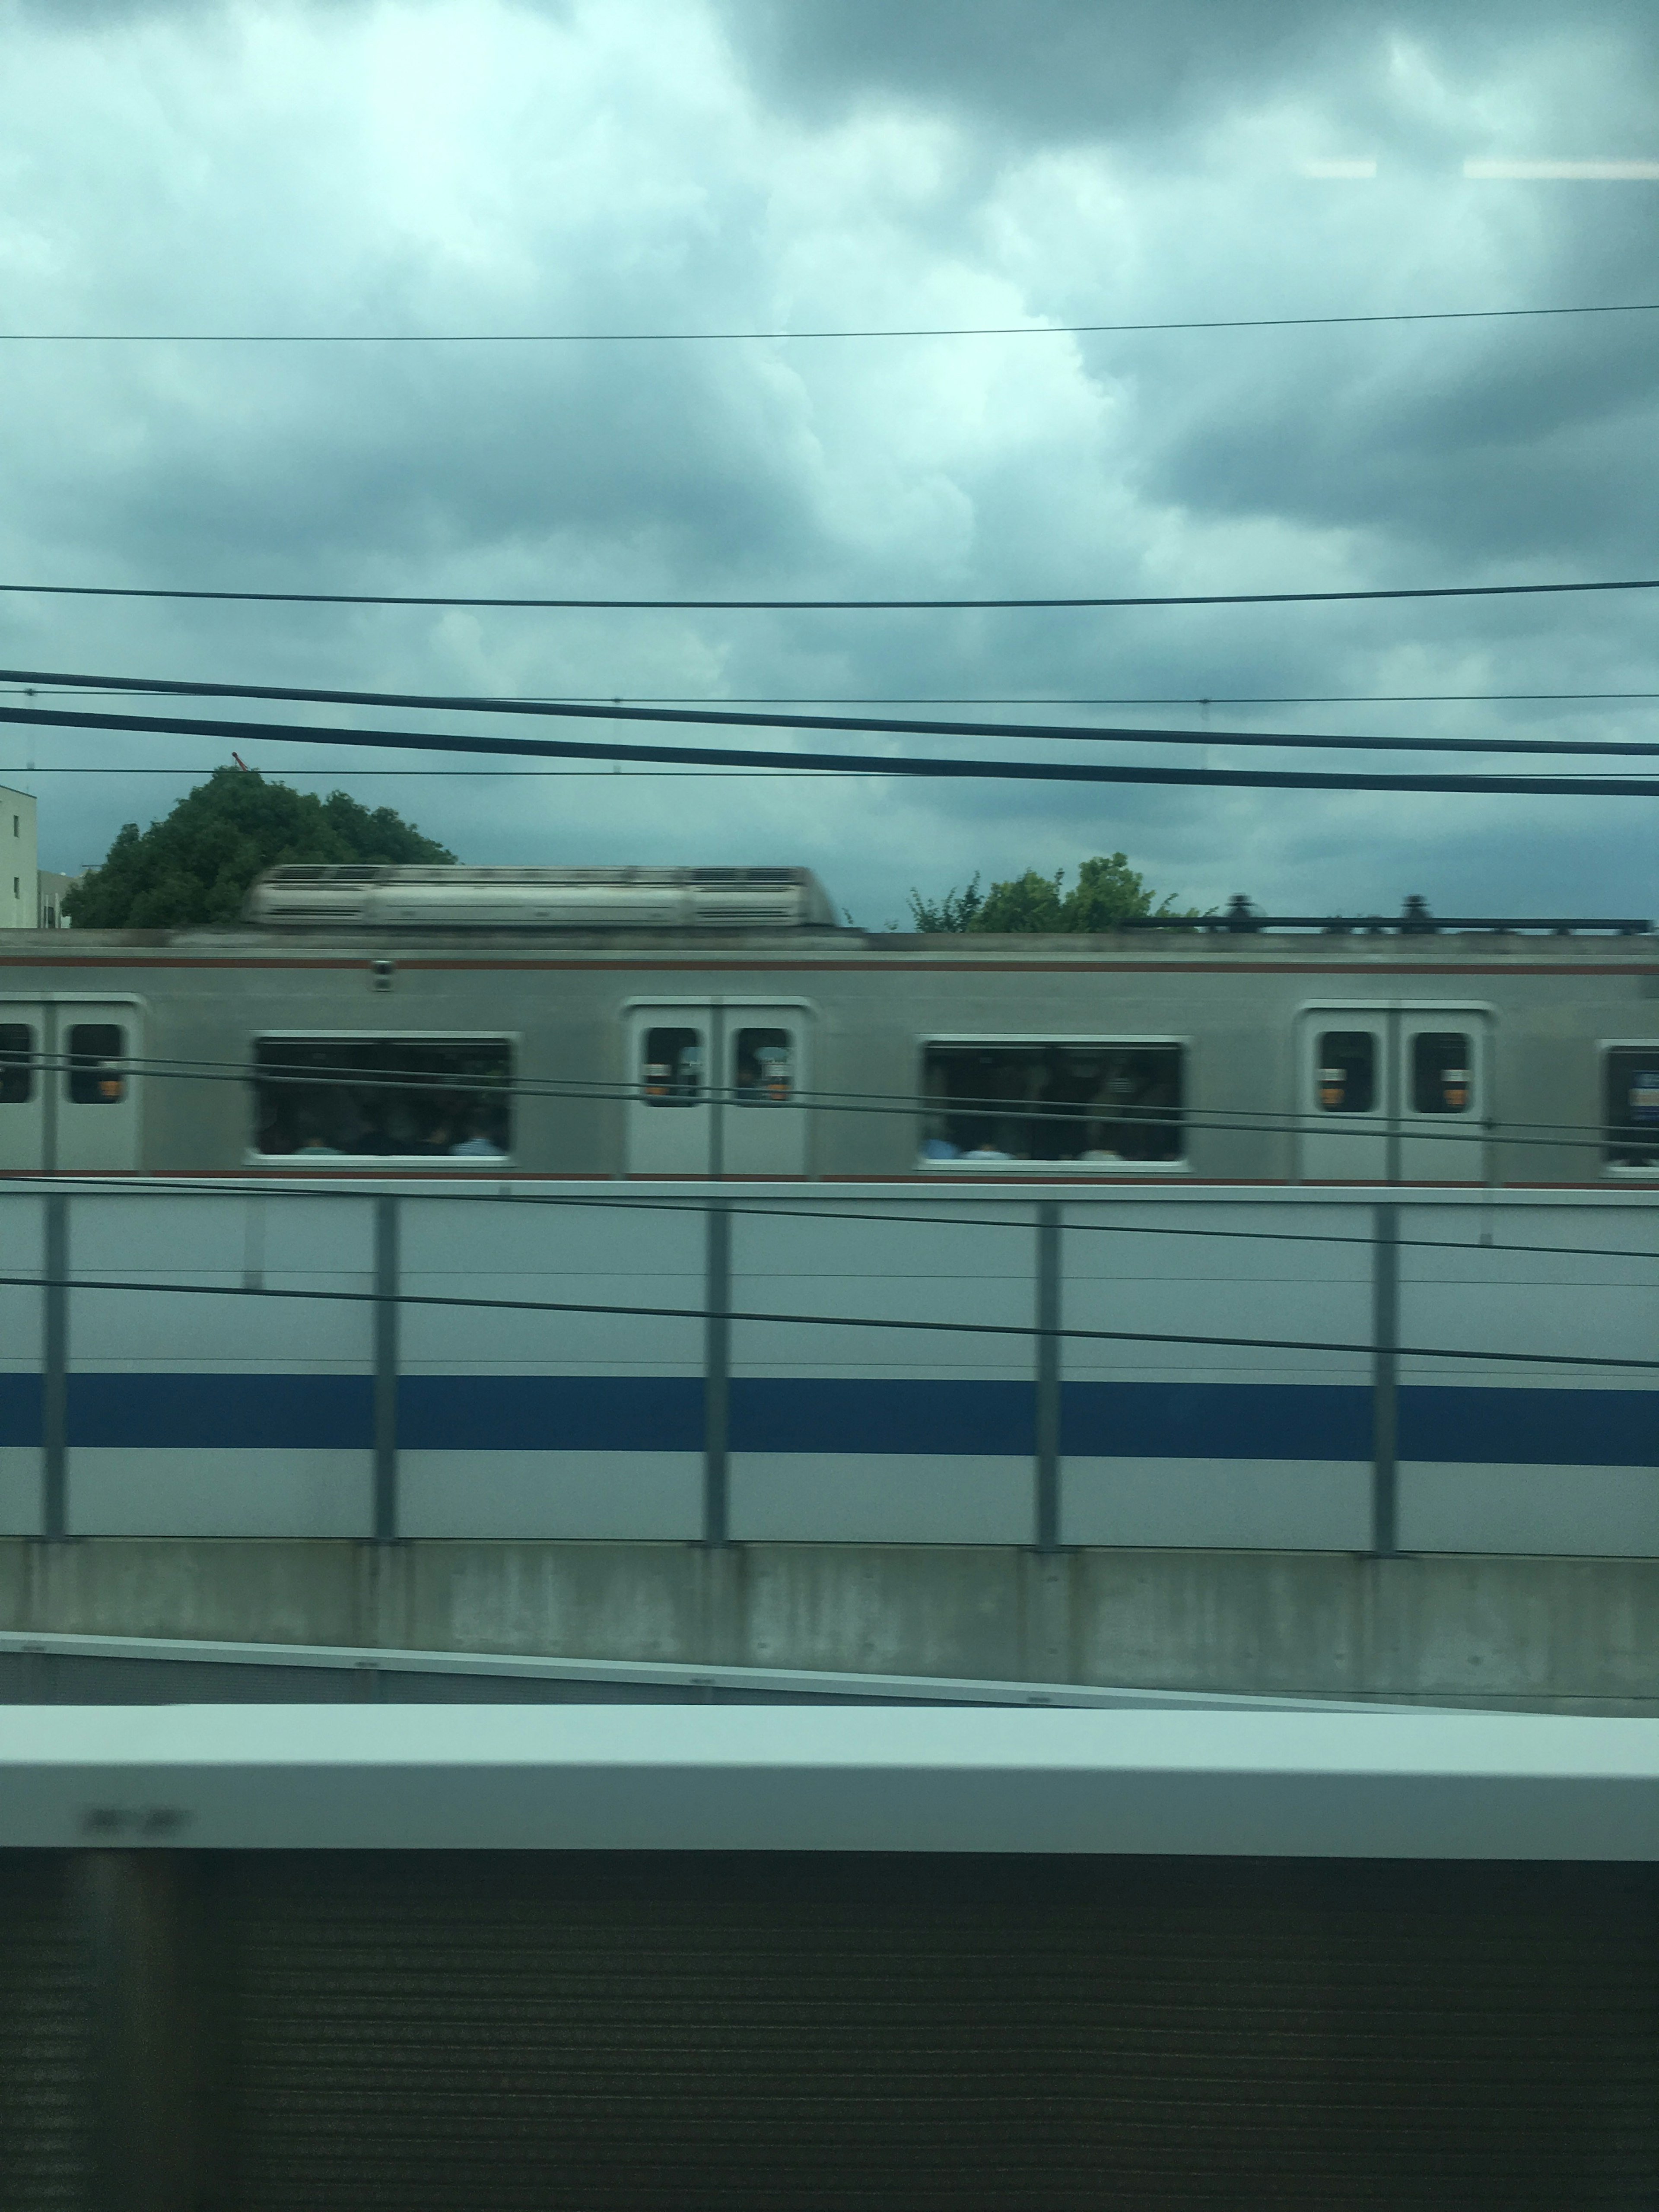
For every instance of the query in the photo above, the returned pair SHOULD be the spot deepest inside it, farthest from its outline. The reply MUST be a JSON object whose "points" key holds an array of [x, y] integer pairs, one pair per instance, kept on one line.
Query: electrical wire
{"points": [[820, 606], [776, 337], [1026, 1329], [639, 1197], [725, 716], [1026, 771], [1266, 1123], [135, 687]]}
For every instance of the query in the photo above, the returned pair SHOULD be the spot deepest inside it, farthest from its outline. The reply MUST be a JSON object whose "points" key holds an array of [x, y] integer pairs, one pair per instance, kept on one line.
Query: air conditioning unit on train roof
{"points": [[429, 897]]}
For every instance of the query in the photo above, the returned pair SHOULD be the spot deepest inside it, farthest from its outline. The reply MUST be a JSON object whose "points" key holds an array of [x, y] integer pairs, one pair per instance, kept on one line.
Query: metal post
{"points": [[1385, 1379], [54, 1369], [1048, 1375], [716, 1374], [387, 1280], [157, 2139]]}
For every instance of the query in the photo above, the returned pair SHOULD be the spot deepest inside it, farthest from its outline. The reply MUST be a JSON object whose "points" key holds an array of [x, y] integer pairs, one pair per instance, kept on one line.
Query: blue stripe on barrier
{"points": [[1215, 1420], [186, 1412], [20, 1409], [551, 1412], [880, 1414], [1469, 1425], [1529, 1428]]}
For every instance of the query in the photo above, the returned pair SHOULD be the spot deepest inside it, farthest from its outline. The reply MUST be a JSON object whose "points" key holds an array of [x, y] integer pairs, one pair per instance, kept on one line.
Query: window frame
{"points": [[372, 1163], [1054, 1170], [1604, 1048]]}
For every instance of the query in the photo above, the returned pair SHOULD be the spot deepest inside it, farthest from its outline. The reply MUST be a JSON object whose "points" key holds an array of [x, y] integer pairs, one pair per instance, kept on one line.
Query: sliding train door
{"points": [[1392, 1094], [715, 1088], [69, 1093], [23, 1084]]}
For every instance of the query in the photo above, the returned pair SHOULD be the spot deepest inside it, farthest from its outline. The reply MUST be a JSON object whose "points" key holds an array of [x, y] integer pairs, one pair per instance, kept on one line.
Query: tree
{"points": [[954, 912], [1108, 891], [196, 864]]}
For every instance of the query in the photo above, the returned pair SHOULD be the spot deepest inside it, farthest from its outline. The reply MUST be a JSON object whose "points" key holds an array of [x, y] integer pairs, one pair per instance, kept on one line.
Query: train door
{"points": [[23, 1088], [68, 1097], [715, 1089], [1342, 1075], [1443, 1077], [762, 1126], [1393, 1094]]}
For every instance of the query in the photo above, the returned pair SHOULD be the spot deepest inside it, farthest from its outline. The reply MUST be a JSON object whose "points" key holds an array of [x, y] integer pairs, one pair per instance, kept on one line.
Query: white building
{"points": [[52, 886], [19, 885]]}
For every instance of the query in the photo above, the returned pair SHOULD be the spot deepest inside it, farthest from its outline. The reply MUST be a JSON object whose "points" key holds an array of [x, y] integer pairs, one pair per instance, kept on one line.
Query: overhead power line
{"points": [[1026, 771], [823, 606], [472, 1302], [794, 338], [311, 1189], [882, 726], [135, 686]]}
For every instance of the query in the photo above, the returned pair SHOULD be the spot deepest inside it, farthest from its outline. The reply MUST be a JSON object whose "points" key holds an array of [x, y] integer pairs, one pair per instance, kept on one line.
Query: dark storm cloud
{"points": [[470, 164], [1085, 70]]}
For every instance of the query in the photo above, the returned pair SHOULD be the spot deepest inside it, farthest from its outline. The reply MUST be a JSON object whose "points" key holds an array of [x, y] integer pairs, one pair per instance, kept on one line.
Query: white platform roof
{"points": [[1459, 1785]]}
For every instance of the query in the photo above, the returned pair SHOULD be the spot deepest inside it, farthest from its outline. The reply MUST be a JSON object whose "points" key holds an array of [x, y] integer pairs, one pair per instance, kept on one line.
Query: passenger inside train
{"points": [[379, 1097], [1052, 1102]]}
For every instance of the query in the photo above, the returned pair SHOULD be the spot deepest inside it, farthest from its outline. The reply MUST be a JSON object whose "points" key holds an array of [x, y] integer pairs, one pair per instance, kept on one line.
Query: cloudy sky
{"points": [[416, 167]]}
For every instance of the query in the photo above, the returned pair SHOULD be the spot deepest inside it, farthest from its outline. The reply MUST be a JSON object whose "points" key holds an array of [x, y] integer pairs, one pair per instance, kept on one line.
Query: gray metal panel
{"points": [[737, 2035], [1597, 1512], [45, 2044], [618, 1496], [1219, 1504], [881, 1497], [130, 1491]]}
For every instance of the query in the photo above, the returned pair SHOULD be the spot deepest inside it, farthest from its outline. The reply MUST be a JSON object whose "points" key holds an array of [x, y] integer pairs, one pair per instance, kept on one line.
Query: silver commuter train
{"points": [[693, 1022]]}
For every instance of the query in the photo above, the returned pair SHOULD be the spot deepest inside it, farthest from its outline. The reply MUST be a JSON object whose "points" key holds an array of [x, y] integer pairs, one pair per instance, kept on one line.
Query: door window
{"points": [[763, 1067], [96, 1077], [1347, 1072], [16, 1063], [1442, 1064], [672, 1069]]}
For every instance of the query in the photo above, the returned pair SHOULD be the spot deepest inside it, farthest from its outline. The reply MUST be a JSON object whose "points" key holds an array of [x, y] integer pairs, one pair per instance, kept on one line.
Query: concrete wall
{"points": [[1566, 1634]]}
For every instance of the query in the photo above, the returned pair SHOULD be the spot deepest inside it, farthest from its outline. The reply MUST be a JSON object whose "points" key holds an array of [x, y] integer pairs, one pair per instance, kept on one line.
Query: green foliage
{"points": [[950, 916], [196, 864], [1030, 902], [1108, 891]]}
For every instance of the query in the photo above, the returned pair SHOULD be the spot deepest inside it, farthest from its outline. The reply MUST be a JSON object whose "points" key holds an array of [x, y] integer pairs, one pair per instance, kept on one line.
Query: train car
{"points": [[718, 1024]]}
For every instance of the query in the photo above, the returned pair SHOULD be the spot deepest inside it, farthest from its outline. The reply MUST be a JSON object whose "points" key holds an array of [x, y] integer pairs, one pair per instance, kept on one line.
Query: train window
{"points": [[1347, 1072], [95, 1076], [763, 1068], [1441, 1081], [374, 1097], [16, 1063], [671, 1073], [1632, 1107], [1089, 1102]]}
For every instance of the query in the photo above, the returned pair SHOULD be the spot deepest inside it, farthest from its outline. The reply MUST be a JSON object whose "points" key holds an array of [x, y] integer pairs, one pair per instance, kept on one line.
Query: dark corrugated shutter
{"points": [[807, 2032], [45, 2038]]}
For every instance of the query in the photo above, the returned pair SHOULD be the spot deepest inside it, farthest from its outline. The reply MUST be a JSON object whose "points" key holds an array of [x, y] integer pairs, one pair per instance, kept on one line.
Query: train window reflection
{"points": [[1085, 1103], [673, 1072], [1441, 1081], [374, 1097], [16, 1063], [1346, 1071], [95, 1076], [763, 1067], [1632, 1107]]}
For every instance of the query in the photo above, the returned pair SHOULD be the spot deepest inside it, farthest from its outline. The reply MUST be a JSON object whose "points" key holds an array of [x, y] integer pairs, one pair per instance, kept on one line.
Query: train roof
{"points": [[451, 896]]}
